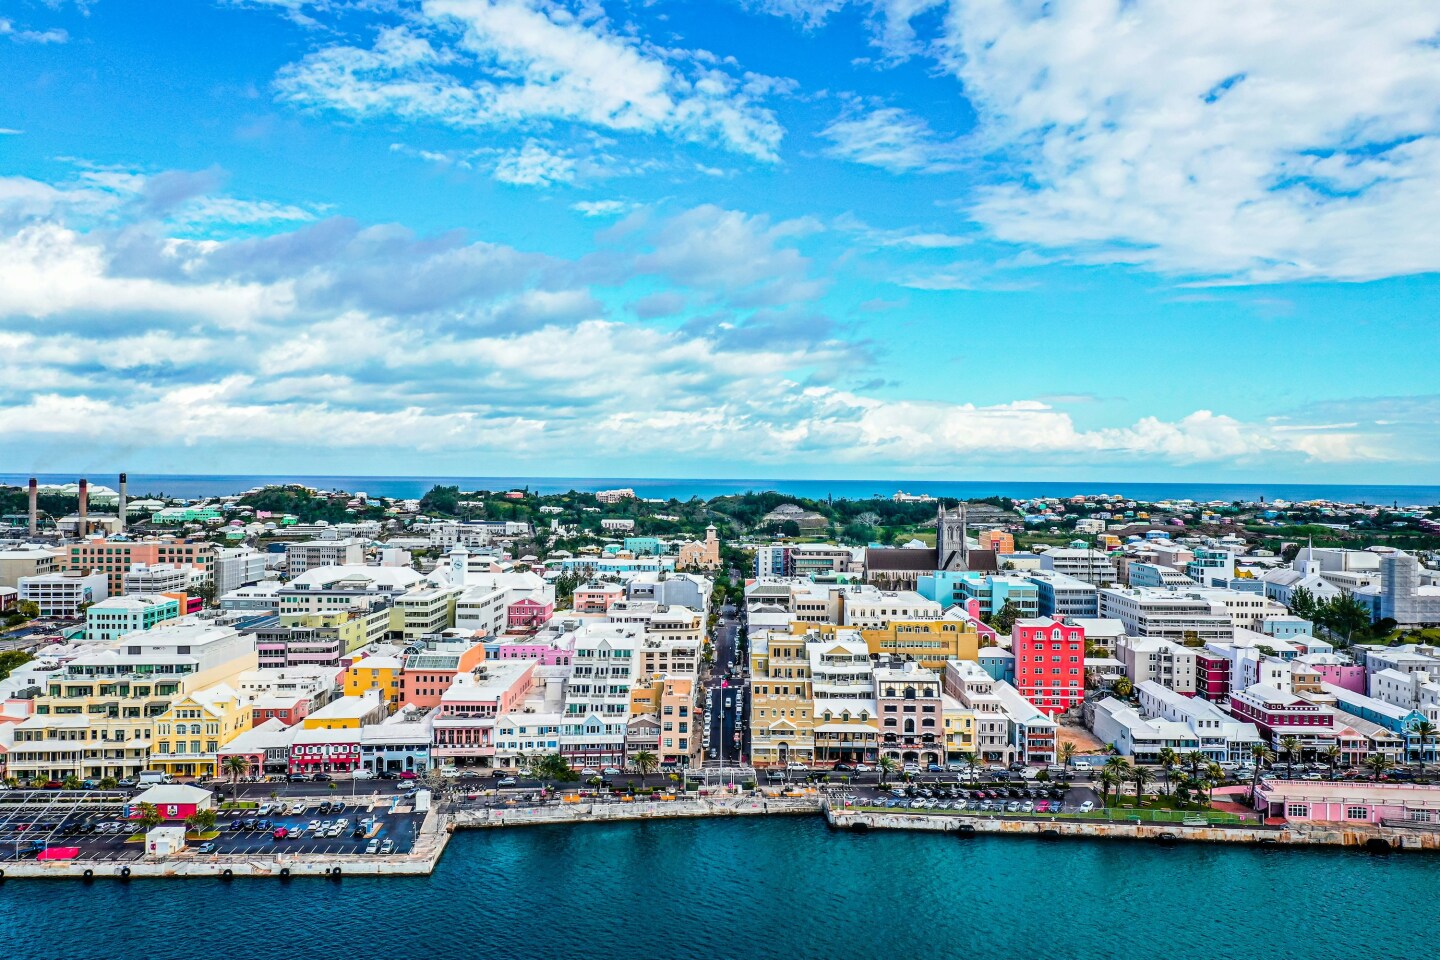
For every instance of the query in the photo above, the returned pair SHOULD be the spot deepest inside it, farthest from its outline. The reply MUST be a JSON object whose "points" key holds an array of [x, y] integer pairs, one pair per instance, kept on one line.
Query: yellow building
{"points": [[931, 642], [196, 726], [782, 707], [959, 728], [98, 715], [349, 713], [380, 674], [353, 629]]}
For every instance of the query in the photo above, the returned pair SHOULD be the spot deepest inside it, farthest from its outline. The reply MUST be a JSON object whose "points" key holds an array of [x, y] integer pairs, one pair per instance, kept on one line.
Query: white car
{"points": [[1087, 806], [797, 767], [364, 775]]}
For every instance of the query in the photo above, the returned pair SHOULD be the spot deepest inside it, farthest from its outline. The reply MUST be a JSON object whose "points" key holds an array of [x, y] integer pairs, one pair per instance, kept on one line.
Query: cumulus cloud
{"points": [[518, 62], [534, 165], [1275, 140]]}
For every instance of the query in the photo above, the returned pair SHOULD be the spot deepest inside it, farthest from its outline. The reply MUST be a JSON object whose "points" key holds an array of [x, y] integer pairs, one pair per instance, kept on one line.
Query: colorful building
{"points": [[189, 735], [1049, 663], [117, 616], [378, 674], [115, 557]]}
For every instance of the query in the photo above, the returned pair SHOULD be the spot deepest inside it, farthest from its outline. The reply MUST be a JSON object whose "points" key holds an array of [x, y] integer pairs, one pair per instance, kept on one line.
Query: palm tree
{"points": [[1425, 731], [1140, 776], [236, 766], [1108, 779], [971, 761], [1261, 753], [1378, 763], [1196, 760], [1332, 757], [1123, 687], [108, 783], [646, 762], [1067, 754], [886, 765], [1215, 773], [1291, 746], [71, 782], [1168, 760]]}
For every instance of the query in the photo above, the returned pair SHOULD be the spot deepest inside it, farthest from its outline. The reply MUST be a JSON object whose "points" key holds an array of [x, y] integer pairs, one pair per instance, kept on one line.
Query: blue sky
{"points": [[966, 238]]}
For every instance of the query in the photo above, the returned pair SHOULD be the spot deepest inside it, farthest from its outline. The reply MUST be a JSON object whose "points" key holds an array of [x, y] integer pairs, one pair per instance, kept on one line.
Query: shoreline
{"points": [[440, 826]]}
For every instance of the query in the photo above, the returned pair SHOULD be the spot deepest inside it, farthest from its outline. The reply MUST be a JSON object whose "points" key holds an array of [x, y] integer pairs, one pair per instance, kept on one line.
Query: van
{"points": [[150, 778]]}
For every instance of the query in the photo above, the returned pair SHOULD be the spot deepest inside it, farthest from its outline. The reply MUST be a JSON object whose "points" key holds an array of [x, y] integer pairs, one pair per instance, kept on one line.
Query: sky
{"points": [[945, 239]]}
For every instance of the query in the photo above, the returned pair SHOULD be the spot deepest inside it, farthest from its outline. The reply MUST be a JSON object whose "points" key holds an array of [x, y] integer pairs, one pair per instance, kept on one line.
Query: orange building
{"points": [[429, 673], [114, 557], [998, 540]]}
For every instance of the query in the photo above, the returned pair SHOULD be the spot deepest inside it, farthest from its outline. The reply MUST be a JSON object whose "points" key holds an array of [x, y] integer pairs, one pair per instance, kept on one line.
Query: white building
{"points": [[236, 568], [1150, 612], [1155, 659], [63, 594], [153, 578], [1221, 737], [303, 557]]}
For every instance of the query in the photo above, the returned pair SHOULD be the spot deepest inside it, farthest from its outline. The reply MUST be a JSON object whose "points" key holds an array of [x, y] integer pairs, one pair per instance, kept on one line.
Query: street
{"points": [[727, 694]]}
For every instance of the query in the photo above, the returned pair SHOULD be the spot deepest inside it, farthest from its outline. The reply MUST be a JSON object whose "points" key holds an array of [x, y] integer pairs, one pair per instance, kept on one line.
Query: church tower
{"points": [[951, 552]]}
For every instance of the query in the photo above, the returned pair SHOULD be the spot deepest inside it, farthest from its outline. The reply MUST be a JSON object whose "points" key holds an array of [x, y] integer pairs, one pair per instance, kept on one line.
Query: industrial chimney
{"points": [[34, 506], [83, 527], [122, 503]]}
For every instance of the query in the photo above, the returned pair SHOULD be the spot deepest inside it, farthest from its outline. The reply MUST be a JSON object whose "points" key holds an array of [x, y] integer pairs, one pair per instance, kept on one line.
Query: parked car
{"points": [[207, 847], [506, 782], [373, 846], [387, 845], [1087, 806], [281, 833], [299, 778]]}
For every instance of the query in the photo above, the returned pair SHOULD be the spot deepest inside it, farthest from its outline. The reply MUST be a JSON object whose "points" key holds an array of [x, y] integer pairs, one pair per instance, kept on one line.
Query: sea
{"points": [[763, 889], [194, 486]]}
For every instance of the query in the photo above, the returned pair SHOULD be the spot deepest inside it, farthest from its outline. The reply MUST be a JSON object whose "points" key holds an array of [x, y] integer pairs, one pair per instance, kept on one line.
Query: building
{"points": [[348, 712], [1135, 735], [912, 728], [263, 597], [1149, 612], [1157, 660], [864, 607], [189, 735], [27, 560], [1359, 803], [678, 589], [604, 668], [1092, 566], [429, 672], [97, 715], [1032, 733], [321, 639], [174, 801], [116, 616], [698, 555], [465, 723], [1156, 575], [265, 748], [781, 726], [974, 690], [929, 642], [65, 594], [114, 558], [399, 743], [325, 749], [596, 597], [378, 674], [1064, 597], [1403, 597], [1278, 715], [237, 567], [615, 496], [1049, 663], [998, 662], [1220, 736], [152, 578], [310, 554]]}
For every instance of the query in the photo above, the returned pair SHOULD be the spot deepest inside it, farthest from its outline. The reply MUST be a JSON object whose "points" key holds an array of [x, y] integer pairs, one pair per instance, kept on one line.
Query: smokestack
{"points": [[84, 526], [122, 503], [34, 506]]}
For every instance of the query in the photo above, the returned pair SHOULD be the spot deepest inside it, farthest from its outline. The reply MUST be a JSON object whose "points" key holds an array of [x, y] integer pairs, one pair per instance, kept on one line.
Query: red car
{"points": [[407, 774]]}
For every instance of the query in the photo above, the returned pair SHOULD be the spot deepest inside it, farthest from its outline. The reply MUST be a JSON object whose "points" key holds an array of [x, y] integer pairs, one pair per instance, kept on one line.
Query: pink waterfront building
{"points": [[1321, 801], [528, 613]]}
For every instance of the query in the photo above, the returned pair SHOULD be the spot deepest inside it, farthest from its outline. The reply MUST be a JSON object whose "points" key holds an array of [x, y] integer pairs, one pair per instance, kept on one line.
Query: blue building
{"points": [[998, 662]]}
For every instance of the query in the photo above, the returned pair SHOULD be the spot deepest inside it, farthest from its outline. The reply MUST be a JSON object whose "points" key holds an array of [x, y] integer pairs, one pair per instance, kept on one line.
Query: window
{"points": [[1297, 810], [1357, 813]]}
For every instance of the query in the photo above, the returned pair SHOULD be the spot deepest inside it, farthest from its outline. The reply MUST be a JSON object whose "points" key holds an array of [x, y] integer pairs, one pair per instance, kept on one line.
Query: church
{"points": [[899, 568]]}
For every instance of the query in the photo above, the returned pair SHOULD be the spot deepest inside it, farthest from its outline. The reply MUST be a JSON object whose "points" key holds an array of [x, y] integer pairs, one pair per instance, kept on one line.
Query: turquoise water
{"points": [[773, 888]]}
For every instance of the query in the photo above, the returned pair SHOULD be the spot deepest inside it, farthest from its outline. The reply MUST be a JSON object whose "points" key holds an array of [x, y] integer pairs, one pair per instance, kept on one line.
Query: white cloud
{"points": [[534, 165], [21, 35], [1273, 140], [603, 208], [520, 62], [893, 140]]}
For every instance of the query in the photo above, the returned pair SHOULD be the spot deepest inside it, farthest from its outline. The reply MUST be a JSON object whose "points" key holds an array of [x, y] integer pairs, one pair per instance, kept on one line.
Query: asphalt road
{"points": [[728, 696]]}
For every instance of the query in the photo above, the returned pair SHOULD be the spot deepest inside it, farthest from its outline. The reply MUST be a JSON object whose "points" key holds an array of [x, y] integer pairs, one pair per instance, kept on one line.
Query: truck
{"points": [[150, 778]]}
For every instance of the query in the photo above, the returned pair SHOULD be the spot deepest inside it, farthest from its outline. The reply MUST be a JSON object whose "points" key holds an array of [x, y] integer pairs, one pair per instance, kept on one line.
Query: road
{"points": [[728, 695]]}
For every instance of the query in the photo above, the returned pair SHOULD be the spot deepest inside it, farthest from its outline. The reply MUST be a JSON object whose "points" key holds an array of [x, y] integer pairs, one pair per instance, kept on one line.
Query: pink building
{"points": [[465, 721], [1319, 801], [325, 751], [288, 710], [596, 597], [548, 653], [1212, 677], [1049, 663], [1332, 669], [527, 614]]}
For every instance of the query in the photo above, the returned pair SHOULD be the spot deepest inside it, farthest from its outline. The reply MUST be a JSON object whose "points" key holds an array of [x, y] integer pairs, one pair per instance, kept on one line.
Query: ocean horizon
{"points": [[191, 486]]}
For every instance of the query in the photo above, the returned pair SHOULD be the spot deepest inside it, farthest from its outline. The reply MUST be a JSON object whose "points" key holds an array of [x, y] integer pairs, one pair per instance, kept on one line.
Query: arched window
{"points": [[909, 725]]}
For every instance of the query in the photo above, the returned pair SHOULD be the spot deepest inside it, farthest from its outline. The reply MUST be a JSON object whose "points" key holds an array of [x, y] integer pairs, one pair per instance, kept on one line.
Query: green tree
{"points": [[150, 817], [11, 659], [1302, 603], [1378, 764], [1291, 746], [201, 821], [1005, 619], [887, 767], [109, 783], [1169, 759], [441, 500], [1067, 754], [646, 762], [1195, 760], [28, 609], [1214, 773], [1109, 780], [1344, 616], [1140, 776], [550, 767], [1332, 757], [1424, 731], [71, 782], [1123, 688], [1261, 754], [235, 766]]}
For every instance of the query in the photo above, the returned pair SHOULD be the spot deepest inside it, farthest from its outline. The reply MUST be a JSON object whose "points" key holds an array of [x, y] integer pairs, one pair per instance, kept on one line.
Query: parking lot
{"points": [[94, 823]]}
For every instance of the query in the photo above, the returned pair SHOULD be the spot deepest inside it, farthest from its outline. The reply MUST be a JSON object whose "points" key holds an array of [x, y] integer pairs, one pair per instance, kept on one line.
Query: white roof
{"points": [[173, 793]]}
